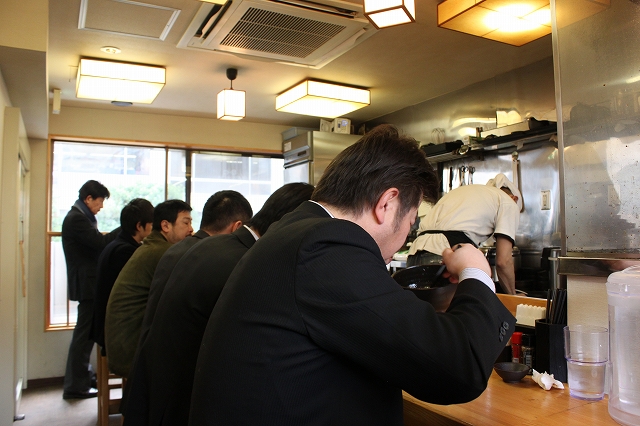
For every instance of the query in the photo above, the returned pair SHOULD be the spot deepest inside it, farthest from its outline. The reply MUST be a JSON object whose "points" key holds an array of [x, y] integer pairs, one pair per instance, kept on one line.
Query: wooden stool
{"points": [[106, 382]]}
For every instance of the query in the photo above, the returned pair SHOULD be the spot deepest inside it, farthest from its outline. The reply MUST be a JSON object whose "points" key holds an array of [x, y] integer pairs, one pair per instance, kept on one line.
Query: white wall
{"points": [[48, 350]]}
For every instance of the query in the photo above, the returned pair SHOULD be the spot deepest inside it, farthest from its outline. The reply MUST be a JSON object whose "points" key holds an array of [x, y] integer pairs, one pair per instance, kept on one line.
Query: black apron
{"points": [[422, 257]]}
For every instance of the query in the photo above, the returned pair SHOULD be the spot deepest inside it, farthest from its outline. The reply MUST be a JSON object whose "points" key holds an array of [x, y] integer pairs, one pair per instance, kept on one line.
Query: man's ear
{"points": [[386, 204], [165, 226], [237, 224]]}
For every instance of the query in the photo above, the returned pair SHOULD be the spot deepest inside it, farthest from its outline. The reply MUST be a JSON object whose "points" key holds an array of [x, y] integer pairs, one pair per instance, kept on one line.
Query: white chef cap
{"points": [[501, 180]]}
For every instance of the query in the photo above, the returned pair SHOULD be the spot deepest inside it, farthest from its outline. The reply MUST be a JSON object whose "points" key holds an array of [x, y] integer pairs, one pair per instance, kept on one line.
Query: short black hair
{"points": [[381, 159], [168, 210], [224, 208], [136, 211], [284, 200], [94, 189]]}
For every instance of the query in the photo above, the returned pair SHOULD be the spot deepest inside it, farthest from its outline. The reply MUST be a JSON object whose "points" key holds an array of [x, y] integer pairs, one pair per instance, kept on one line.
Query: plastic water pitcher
{"points": [[623, 295]]}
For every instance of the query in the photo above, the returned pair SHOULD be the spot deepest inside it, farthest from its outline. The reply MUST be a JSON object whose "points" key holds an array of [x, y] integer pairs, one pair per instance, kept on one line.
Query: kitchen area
{"points": [[565, 128]]}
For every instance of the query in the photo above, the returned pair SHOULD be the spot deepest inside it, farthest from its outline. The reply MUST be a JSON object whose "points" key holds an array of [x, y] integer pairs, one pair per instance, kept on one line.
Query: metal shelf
{"points": [[487, 146]]}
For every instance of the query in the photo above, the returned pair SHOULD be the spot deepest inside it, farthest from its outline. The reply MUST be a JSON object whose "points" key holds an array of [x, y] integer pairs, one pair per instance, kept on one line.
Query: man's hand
{"points": [[463, 256]]}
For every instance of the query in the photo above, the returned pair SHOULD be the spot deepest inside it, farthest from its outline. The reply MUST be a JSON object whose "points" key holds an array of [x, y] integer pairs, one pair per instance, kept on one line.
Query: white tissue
{"points": [[546, 381], [528, 314]]}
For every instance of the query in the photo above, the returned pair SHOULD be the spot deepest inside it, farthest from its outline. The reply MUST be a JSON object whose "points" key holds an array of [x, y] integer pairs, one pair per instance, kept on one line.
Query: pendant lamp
{"points": [[231, 103]]}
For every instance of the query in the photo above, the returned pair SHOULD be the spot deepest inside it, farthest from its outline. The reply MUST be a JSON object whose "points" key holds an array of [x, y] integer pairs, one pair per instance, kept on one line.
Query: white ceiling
{"points": [[402, 66]]}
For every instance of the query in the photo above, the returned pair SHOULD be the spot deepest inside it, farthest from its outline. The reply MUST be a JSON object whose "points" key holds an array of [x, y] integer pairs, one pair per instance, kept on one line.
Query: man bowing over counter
{"points": [[310, 329]]}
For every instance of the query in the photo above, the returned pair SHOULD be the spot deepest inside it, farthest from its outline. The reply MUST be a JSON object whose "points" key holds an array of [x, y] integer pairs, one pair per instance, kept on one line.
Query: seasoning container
{"points": [[528, 350], [516, 346]]}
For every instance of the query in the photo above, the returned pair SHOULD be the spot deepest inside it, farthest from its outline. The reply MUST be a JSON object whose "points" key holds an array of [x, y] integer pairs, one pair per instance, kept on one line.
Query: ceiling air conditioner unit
{"points": [[295, 32]]}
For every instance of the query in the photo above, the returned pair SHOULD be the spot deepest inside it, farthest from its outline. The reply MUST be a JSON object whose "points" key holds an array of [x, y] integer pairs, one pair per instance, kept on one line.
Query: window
{"points": [[156, 174]]}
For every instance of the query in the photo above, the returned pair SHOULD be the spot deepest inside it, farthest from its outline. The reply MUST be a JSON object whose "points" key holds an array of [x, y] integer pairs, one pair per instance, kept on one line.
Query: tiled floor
{"points": [[44, 406]]}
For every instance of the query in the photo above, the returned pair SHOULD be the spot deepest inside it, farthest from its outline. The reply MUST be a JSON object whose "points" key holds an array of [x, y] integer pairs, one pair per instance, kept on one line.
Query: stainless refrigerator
{"points": [[306, 156]]}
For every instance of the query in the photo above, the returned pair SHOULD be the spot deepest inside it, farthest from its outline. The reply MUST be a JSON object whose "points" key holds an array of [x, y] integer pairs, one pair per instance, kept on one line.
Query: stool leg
{"points": [[103, 390]]}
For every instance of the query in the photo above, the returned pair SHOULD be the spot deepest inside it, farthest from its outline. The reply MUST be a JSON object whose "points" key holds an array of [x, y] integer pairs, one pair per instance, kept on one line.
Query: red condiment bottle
{"points": [[516, 346]]}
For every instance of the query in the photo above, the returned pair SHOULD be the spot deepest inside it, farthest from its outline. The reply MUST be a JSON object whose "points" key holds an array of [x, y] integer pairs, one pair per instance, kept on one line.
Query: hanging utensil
{"points": [[463, 175], [450, 178], [472, 170]]}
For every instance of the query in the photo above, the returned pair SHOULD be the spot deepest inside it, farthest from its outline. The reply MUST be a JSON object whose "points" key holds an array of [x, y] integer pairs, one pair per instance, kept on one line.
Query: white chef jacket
{"points": [[479, 211]]}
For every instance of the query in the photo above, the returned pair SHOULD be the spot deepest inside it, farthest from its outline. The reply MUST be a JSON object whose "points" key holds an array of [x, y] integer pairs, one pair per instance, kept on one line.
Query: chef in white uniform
{"points": [[472, 214]]}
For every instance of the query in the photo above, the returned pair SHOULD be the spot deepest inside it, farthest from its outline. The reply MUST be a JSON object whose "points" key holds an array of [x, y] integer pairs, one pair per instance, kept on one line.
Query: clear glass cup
{"points": [[586, 349]]}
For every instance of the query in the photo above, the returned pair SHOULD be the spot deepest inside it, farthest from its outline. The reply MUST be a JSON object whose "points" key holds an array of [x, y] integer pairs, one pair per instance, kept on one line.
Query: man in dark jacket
{"points": [[160, 386], [310, 329], [223, 213], [130, 292], [82, 244], [136, 220]]}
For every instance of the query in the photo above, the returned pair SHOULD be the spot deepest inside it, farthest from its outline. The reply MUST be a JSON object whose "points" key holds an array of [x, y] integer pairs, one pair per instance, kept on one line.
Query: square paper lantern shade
{"points": [[514, 22], [387, 13], [231, 104], [322, 99], [119, 81]]}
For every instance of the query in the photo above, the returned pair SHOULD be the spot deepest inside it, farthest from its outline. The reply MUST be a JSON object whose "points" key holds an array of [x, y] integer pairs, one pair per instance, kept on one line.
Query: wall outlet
{"points": [[545, 200]]}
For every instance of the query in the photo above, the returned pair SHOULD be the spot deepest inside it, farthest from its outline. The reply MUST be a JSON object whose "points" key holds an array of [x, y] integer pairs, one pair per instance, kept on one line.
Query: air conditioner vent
{"points": [[282, 32], [270, 32]]}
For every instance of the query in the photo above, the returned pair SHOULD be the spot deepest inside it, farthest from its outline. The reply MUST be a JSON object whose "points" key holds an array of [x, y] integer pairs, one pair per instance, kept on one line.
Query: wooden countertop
{"points": [[523, 403]]}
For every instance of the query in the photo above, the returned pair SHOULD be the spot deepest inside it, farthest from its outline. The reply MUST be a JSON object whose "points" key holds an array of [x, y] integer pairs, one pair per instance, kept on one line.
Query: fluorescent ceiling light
{"points": [[119, 81], [386, 13], [322, 99], [514, 22]]}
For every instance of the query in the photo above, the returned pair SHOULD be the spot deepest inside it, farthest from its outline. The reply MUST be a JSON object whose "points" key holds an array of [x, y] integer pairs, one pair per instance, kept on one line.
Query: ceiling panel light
{"points": [[322, 99], [119, 81], [231, 103], [386, 13], [514, 22]]}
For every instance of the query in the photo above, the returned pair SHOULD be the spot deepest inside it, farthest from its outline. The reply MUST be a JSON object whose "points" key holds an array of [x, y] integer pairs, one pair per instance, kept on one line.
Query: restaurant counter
{"points": [[522, 403]]}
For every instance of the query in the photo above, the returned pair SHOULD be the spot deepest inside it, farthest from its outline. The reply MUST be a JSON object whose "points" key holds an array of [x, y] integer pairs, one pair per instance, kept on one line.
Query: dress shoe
{"points": [[90, 393]]}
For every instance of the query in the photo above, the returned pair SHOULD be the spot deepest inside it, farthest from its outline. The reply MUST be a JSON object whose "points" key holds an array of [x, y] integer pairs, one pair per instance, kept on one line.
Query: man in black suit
{"points": [[136, 220], [160, 387], [223, 213], [310, 329], [82, 244]]}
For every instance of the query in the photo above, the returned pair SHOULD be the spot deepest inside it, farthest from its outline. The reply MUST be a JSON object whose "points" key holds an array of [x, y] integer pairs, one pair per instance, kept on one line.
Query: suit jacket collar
{"points": [[245, 237], [312, 208], [80, 205], [201, 235]]}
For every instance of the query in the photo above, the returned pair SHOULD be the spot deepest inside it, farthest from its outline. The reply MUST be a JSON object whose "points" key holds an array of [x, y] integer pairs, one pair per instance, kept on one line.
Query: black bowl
{"points": [[511, 372], [422, 281]]}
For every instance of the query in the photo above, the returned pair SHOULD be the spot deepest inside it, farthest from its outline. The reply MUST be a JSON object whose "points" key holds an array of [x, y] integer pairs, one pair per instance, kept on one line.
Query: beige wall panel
{"points": [[143, 127], [24, 24]]}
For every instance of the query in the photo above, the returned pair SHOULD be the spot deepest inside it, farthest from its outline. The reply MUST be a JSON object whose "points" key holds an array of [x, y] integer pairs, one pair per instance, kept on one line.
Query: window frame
{"points": [[189, 149]]}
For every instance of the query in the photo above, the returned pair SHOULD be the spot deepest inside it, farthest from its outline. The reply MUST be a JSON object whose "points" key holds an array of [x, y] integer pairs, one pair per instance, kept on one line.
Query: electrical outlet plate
{"points": [[545, 200]]}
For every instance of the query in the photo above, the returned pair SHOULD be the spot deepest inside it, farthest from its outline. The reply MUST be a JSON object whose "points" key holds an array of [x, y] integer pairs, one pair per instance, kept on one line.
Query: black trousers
{"points": [[79, 375]]}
